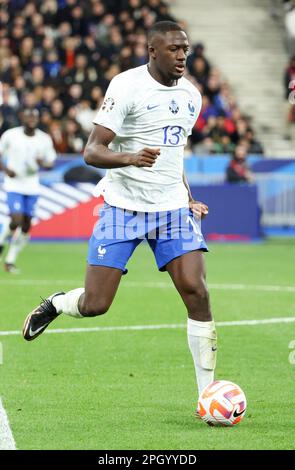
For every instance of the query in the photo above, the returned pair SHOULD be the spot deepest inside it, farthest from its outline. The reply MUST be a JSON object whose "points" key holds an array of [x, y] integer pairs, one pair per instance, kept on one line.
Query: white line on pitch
{"points": [[7, 441], [149, 285], [168, 326], [221, 286]]}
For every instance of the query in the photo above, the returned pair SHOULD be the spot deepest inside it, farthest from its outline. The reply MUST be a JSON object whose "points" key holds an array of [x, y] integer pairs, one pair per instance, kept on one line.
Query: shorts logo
{"points": [[174, 108], [108, 104], [191, 221], [101, 251]]}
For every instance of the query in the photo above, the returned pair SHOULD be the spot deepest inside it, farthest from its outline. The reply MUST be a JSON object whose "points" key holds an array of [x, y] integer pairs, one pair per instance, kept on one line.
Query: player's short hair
{"points": [[162, 27]]}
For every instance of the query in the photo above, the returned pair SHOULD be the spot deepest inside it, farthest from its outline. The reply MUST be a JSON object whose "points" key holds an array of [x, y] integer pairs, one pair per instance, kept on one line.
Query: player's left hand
{"points": [[40, 162], [43, 164], [199, 209]]}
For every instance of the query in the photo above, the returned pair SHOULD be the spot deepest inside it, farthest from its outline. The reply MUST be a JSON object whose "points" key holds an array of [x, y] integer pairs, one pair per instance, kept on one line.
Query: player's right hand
{"points": [[10, 173], [145, 157]]}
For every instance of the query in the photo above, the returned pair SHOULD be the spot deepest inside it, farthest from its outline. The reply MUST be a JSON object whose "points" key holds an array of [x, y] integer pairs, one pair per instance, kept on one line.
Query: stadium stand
{"points": [[60, 55], [246, 43]]}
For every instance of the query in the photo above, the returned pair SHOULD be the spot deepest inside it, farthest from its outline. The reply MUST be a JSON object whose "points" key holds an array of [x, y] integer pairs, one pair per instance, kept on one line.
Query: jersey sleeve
{"points": [[116, 105], [195, 107], [198, 104], [3, 143]]}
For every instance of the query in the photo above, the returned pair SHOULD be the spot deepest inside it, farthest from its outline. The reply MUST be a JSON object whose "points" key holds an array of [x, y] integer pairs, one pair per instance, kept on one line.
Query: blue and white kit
{"points": [[118, 232], [149, 203]]}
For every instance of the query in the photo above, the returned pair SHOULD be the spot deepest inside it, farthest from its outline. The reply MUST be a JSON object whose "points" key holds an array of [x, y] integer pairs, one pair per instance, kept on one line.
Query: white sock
{"points": [[17, 243], [5, 232], [202, 340], [68, 303]]}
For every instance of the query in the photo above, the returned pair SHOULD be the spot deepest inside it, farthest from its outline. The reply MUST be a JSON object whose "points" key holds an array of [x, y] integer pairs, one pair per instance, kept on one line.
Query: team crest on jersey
{"points": [[174, 108], [191, 108], [108, 104]]}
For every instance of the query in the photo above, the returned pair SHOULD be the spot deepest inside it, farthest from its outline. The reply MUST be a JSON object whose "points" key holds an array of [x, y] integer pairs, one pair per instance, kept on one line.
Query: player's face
{"points": [[170, 54], [31, 119]]}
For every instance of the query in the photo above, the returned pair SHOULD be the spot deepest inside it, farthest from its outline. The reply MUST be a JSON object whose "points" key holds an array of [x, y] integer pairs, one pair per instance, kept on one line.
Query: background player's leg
{"points": [[15, 241], [21, 235], [4, 234], [101, 285], [9, 227], [19, 240], [189, 276], [21, 208]]}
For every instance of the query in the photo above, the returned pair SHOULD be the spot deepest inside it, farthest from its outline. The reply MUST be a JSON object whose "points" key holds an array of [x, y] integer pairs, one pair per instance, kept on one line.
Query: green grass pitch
{"points": [[135, 389]]}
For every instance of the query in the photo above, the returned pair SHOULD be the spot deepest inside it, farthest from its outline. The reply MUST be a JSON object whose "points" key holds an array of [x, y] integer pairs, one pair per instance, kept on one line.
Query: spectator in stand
{"points": [[73, 136], [289, 92], [8, 114], [254, 146], [58, 136], [238, 171], [290, 26], [198, 51], [199, 71]]}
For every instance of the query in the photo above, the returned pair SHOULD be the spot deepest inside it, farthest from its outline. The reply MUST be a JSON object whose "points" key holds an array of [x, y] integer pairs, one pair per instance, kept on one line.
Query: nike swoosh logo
{"points": [[236, 414], [149, 107], [34, 332]]}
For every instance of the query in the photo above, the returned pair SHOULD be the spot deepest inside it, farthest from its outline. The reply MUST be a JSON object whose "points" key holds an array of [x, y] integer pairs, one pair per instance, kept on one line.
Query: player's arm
{"points": [[98, 154], [44, 165], [198, 208], [6, 170], [47, 160], [1, 164]]}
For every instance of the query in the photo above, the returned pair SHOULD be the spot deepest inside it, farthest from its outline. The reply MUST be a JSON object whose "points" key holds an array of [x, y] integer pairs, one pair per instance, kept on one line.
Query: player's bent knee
{"points": [[93, 310]]}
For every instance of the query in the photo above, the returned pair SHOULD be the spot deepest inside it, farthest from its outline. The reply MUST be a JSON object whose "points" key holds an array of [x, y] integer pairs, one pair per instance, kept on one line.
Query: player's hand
{"points": [[44, 164], [10, 173], [145, 157], [40, 162], [199, 209]]}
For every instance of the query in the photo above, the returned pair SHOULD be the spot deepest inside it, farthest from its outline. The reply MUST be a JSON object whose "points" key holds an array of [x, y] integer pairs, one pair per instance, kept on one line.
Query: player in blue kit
{"points": [[139, 137]]}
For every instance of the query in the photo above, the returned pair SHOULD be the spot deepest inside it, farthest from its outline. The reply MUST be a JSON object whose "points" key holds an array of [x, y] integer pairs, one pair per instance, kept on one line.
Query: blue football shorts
{"points": [[118, 232], [21, 203]]}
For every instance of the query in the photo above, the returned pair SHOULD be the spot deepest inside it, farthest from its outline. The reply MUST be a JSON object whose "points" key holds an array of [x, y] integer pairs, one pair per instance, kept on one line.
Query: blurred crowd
{"points": [[289, 72], [60, 55], [221, 125], [289, 93]]}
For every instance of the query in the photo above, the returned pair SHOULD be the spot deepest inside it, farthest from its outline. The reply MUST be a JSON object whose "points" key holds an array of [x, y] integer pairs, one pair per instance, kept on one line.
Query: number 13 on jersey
{"points": [[171, 135]]}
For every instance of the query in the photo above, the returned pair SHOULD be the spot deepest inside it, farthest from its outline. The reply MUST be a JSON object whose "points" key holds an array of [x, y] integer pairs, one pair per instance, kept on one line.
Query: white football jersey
{"points": [[20, 152], [144, 113]]}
